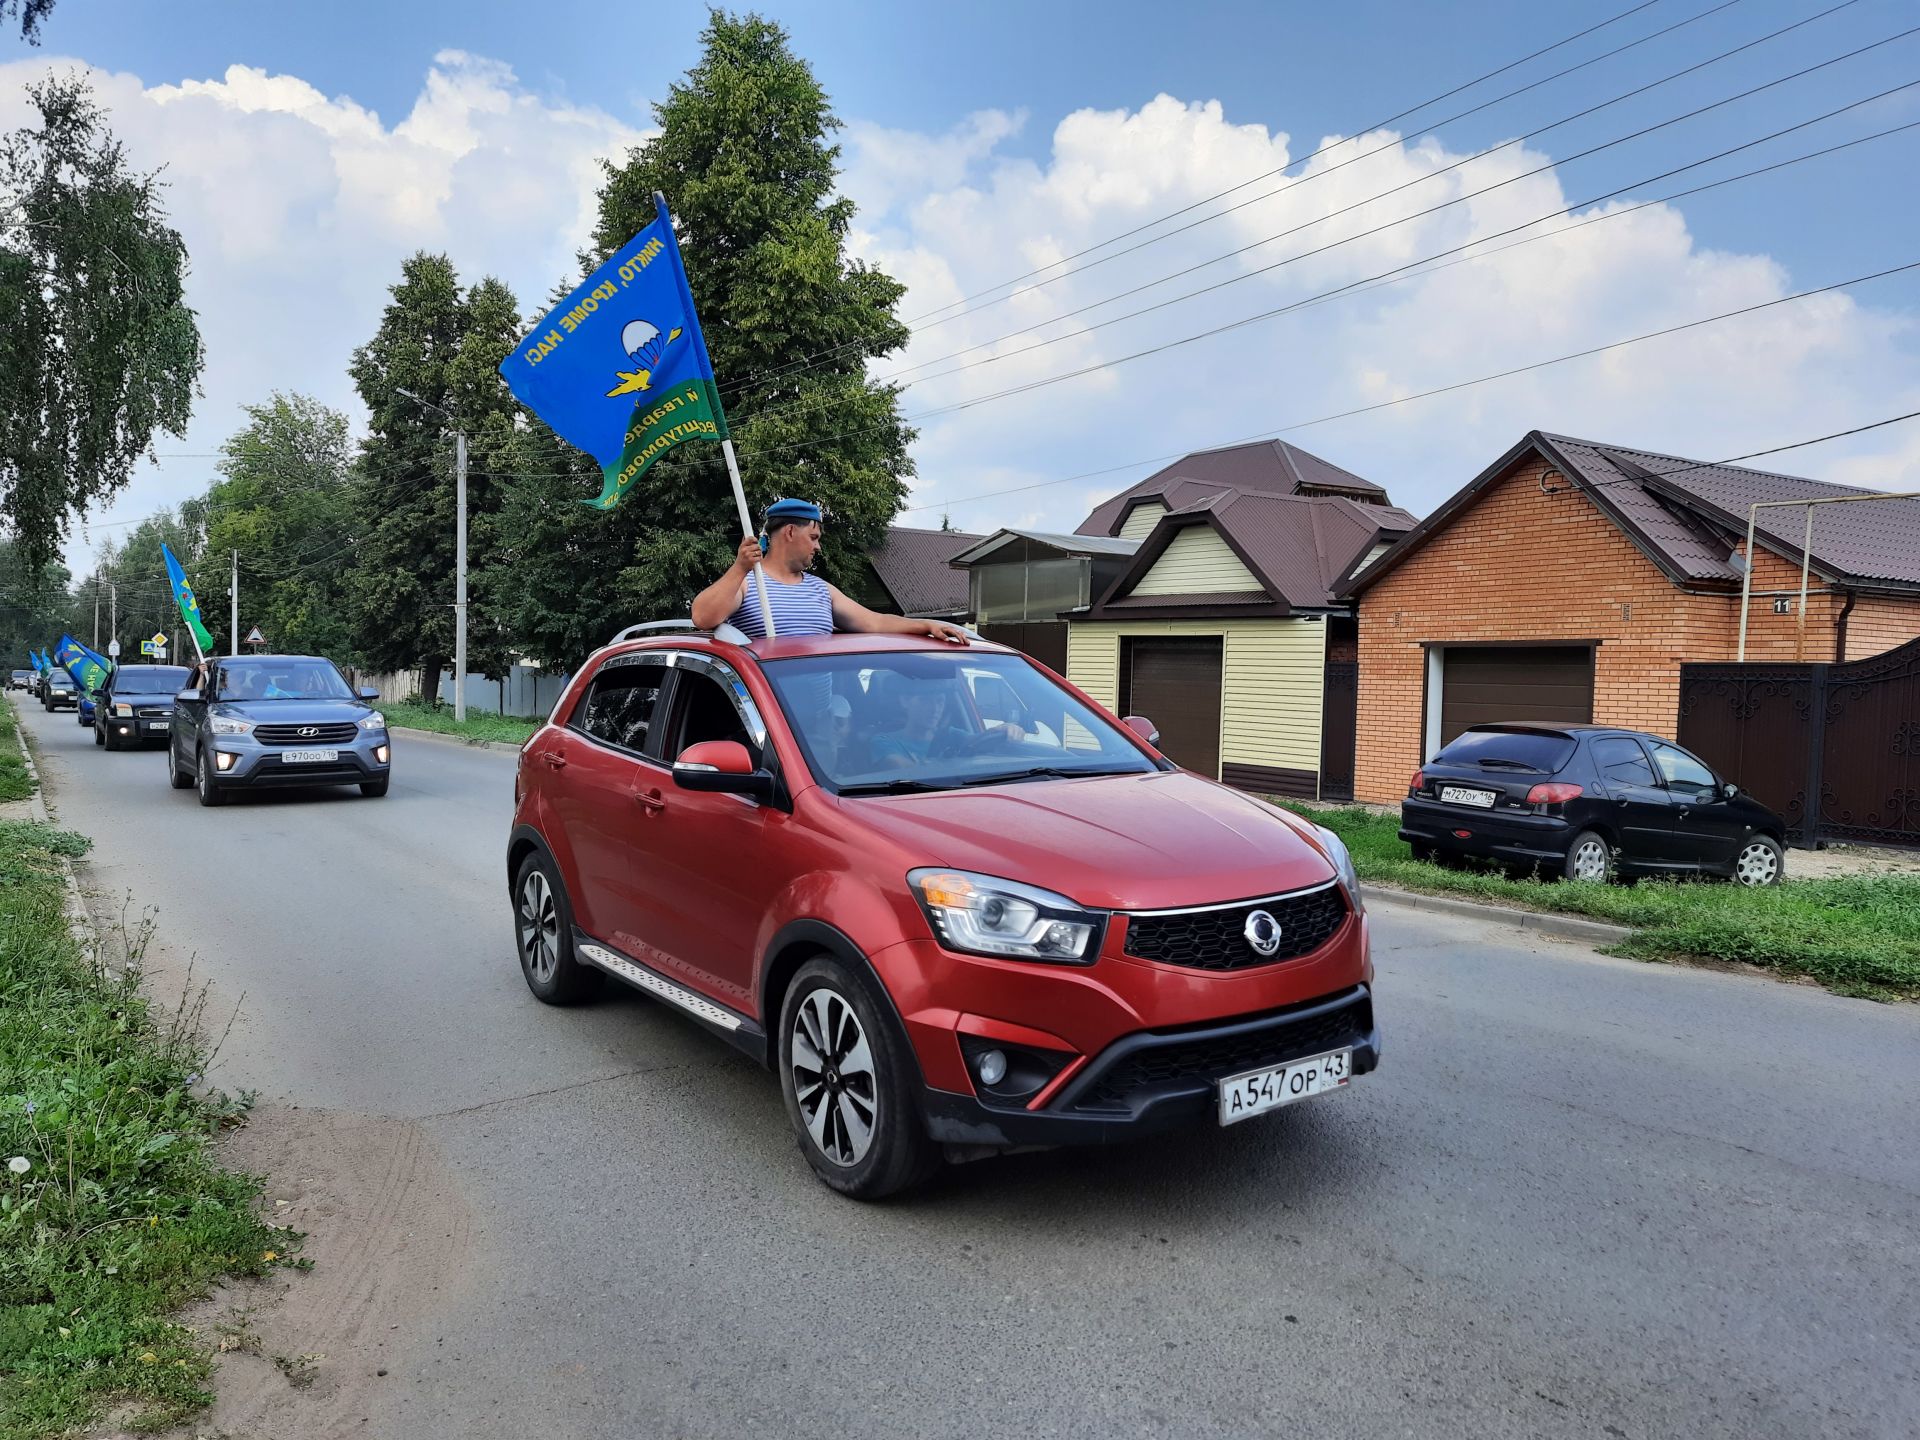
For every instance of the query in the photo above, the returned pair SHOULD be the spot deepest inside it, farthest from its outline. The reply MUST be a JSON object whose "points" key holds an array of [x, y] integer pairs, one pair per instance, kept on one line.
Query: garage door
{"points": [[1514, 683], [1176, 684]]}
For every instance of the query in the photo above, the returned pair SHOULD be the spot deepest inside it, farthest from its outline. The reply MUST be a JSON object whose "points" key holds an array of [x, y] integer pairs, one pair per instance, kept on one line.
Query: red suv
{"points": [[954, 904]]}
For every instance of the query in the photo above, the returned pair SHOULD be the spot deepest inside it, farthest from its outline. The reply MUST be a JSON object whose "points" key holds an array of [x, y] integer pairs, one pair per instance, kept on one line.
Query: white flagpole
{"points": [[746, 528]]}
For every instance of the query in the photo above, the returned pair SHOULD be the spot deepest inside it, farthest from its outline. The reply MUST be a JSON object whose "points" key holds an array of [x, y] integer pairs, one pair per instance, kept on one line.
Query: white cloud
{"points": [[298, 208], [1784, 374]]}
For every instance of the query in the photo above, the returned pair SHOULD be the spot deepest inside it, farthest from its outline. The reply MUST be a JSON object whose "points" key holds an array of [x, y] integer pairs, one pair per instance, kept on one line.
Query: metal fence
{"points": [[524, 691], [1835, 748]]}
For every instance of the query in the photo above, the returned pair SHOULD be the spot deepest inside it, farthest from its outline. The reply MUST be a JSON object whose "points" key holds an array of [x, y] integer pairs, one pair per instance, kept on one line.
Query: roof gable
{"points": [[1264, 467], [915, 566]]}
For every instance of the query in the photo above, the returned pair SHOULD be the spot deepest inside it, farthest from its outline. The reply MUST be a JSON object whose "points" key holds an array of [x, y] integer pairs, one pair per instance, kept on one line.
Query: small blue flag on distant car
{"points": [[619, 368]]}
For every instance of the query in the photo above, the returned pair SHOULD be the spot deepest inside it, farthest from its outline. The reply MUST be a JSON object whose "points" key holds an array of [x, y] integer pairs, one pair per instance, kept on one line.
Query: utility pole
{"points": [[113, 611], [459, 555], [233, 589], [96, 613]]}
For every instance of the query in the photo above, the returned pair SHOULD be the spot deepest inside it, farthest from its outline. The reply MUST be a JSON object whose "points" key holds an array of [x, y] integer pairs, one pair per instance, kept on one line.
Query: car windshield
{"points": [[296, 678], [1520, 750], [874, 724], [150, 680], [61, 682]]}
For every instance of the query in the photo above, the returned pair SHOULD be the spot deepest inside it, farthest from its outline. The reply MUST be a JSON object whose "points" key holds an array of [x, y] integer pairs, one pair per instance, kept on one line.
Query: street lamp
{"points": [[459, 555]]}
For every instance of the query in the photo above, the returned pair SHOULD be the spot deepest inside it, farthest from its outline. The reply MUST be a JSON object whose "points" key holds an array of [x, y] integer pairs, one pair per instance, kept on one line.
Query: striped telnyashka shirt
{"points": [[803, 609]]}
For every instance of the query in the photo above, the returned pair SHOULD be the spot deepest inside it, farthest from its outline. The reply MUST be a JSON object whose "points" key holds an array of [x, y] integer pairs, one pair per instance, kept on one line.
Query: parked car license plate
{"points": [[309, 757], [1466, 795], [1257, 1091]]}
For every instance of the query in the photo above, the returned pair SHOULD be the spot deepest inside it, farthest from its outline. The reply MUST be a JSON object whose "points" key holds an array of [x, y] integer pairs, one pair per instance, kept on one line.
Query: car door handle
{"points": [[650, 801], [556, 762]]}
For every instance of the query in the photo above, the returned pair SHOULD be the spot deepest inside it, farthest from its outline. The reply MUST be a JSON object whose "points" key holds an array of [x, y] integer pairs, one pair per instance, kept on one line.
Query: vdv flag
{"points": [[183, 597], [619, 368], [88, 669]]}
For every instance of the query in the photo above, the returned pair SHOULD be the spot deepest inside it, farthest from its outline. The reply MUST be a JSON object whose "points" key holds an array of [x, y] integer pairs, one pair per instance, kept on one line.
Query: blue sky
{"points": [[984, 138]]}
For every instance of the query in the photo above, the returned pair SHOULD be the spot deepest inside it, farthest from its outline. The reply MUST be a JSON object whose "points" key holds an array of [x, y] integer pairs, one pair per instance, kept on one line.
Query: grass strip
{"points": [[114, 1209], [1856, 934], [15, 783], [477, 726]]}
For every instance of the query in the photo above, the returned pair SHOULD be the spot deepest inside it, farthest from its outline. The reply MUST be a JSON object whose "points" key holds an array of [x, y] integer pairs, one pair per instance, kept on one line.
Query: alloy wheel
{"points": [[833, 1077], [1590, 861], [539, 927], [1757, 865]]}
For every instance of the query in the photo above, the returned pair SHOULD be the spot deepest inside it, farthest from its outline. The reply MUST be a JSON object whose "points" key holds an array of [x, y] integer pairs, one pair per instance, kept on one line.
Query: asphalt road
{"points": [[1581, 1196]]}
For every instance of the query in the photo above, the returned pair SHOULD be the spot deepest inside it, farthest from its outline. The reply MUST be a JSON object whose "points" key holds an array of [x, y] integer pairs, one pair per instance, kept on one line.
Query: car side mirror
{"points": [[186, 697], [722, 767], [1143, 727], [367, 692], [1729, 790]]}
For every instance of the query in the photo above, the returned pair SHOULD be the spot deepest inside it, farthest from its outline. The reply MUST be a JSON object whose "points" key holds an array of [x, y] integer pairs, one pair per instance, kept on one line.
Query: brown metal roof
{"points": [[1266, 467], [912, 564], [1688, 515]]}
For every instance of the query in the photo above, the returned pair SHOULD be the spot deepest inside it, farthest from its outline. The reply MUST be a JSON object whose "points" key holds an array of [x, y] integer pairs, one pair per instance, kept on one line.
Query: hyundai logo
{"points": [[1263, 933], [307, 732]]}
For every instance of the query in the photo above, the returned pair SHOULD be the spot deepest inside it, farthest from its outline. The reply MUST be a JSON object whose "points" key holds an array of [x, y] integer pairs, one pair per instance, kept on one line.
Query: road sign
{"points": [[254, 637], [113, 649], [155, 648], [160, 641]]}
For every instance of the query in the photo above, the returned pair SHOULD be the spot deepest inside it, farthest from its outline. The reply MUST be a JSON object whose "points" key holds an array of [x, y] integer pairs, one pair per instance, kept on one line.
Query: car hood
{"points": [[1117, 842], [295, 712]]}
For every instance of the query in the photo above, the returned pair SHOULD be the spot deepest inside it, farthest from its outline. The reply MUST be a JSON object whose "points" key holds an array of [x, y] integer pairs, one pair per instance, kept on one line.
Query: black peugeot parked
{"points": [[135, 705], [1590, 802]]}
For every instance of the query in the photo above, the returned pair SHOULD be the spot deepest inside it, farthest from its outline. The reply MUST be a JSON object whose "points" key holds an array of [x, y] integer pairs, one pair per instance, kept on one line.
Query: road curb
{"points": [[1564, 927], [79, 918], [506, 746]]}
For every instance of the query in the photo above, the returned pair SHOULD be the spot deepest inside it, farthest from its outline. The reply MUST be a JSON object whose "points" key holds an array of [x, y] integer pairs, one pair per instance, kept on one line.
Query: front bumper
{"points": [[67, 702], [1155, 1081], [257, 766], [1490, 834], [136, 729]]}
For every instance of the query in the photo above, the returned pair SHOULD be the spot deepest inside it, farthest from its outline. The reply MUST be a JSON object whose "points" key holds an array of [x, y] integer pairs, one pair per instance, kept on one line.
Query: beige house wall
{"points": [[1198, 562]]}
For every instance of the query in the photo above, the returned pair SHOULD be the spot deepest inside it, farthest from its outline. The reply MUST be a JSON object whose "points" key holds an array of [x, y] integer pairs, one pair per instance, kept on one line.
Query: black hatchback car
{"points": [[1587, 802], [135, 706]]}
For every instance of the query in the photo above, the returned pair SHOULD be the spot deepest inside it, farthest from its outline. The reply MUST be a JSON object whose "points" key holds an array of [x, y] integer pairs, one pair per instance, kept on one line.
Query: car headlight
{"points": [[229, 725], [122, 709], [375, 721], [982, 915], [1336, 849]]}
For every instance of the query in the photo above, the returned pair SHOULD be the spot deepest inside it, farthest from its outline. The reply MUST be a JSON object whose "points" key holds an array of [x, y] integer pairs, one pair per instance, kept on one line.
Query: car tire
{"points": [[864, 1075], [176, 777], [543, 936], [1589, 858], [210, 792], [80, 719], [1422, 851], [100, 738], [374, 789], [1760, 861]]}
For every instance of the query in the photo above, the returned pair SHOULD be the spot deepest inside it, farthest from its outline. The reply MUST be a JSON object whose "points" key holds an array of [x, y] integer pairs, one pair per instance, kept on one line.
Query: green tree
{"points": [[129, 580], [285, 505], [744, 158], [33, 607], [98, 349], [443, 344], [31, 13]]}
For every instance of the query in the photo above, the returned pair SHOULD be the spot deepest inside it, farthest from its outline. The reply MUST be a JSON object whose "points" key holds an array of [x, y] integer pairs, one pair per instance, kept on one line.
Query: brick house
{"points": [[1570, 580]]}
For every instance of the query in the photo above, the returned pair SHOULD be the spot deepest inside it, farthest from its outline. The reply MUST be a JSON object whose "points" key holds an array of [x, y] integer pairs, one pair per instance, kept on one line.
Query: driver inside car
{"points": [[922, 736]]}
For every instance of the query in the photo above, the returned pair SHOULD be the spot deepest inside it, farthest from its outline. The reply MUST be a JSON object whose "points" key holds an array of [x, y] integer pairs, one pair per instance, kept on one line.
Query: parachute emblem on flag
{"points": [[643, 343]]}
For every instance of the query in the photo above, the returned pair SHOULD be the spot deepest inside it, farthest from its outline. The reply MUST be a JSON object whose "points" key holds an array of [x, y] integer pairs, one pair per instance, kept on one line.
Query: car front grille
{"points": [[1168, 1063], [154, 712], [332, 733], [1216, 939]]}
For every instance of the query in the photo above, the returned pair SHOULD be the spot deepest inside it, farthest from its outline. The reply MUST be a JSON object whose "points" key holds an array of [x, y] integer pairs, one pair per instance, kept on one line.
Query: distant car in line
{"points": [[21, 680], [59, 692], [274, 721], [1588, 802], [135, 706]]}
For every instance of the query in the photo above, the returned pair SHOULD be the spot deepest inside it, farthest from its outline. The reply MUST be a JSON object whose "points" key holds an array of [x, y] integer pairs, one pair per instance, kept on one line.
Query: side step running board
{"points": [[732, 1026]]}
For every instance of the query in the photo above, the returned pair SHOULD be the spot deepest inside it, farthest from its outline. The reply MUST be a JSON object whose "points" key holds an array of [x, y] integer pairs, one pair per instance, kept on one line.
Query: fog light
{"points": [[380, 753], [224, 760], [992, 1067], [123, 729]]}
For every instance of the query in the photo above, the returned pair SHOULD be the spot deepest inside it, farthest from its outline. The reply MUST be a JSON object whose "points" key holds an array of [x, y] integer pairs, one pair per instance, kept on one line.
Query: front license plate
{"points": [[309, 757], [1465, 795], [159, 725], [1244, 1096]]}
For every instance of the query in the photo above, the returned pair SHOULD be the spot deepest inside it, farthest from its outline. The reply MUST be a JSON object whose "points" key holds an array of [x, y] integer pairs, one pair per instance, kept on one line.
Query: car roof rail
{"points": [[723, 631]]}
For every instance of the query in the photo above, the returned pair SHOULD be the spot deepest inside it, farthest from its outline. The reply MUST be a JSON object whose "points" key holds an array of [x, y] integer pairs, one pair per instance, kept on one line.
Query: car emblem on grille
{"points": [[1263, 933], [307, 732]]}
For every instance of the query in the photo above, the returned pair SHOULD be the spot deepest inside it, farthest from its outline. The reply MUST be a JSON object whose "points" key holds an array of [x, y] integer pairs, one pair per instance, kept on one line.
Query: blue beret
{"points": [[792, 512]]}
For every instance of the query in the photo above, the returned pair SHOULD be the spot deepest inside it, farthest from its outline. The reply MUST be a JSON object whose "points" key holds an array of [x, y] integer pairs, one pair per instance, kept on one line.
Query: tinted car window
{"points": [[285, 678], [620, 702], [1623, 761], [707, 712], [1680, 770], [1535, 751]]}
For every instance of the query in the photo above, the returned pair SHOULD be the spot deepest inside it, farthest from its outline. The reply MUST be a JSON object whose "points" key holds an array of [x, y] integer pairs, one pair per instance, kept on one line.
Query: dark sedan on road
{"points": [[274, 721], [1588, 802], [135, 706], [58, 692]]}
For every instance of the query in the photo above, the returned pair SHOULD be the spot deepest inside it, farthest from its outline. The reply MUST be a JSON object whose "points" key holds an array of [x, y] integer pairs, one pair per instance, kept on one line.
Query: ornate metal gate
{"points": [[1834, 748]]}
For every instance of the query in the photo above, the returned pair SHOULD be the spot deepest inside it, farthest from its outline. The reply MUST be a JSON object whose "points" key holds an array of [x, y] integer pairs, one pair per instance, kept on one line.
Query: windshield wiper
{"points": [[892, 787], [1507, 764], [1046, 772]]}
